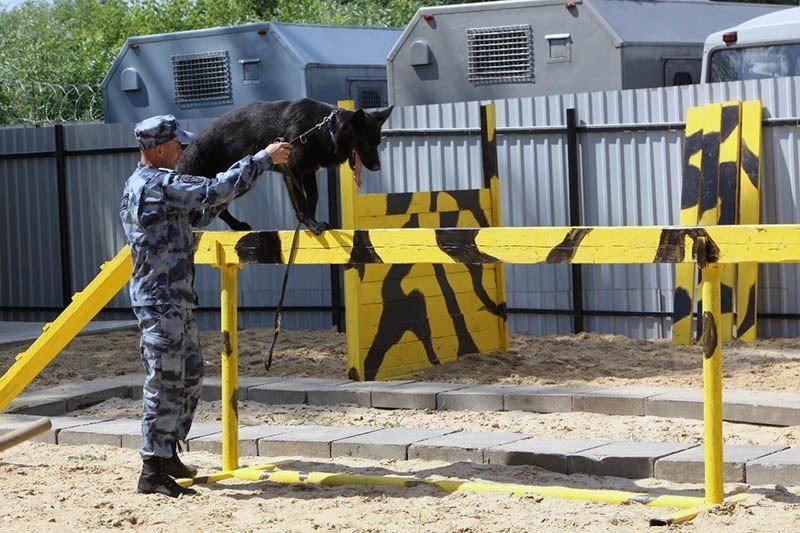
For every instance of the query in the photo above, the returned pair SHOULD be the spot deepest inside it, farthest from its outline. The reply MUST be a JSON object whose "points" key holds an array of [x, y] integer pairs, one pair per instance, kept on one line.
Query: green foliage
{"points": [[72, 42]]}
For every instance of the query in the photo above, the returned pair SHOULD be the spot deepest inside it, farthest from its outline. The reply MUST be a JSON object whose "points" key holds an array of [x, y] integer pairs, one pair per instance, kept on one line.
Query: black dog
{"points": [[350, 135]]}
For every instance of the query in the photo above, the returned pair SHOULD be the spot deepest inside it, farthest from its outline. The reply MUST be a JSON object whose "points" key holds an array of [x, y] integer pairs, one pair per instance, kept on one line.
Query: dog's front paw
{"points": [[317, 227], [240, 226]]}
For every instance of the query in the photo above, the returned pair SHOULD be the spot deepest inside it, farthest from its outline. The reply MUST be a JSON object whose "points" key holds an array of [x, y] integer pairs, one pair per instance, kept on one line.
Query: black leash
{"points": [[277, 325], [302, 138]]}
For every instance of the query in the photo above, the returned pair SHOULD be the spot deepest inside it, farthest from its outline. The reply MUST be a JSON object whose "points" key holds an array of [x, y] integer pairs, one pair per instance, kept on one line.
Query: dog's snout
{"points": [[377, 166]]}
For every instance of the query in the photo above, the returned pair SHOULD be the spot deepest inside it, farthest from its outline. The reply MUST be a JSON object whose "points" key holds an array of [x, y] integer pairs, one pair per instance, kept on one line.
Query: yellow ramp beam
{"points": [[85, 305]]}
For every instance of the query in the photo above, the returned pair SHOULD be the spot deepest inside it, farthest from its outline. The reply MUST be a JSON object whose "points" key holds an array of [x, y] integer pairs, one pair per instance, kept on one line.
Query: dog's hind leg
{"points": [[234, 223]]}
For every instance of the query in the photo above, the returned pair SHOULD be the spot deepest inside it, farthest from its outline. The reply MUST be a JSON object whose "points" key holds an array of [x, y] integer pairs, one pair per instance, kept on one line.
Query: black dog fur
{"points": [[250, 128]]}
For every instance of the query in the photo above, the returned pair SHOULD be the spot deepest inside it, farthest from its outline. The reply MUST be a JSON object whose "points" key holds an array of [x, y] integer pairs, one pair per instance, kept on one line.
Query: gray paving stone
{"points": [[615, 400], [352, 392], [476, 398], [678, 403], [14, 332], [689, 466], [109, 433], [548, 453], [634, 460], [212, 386], [782, 468], [199, 429], [308, 441], [290, 390], [761, 407], [11, 422], [461, 446], [390, 443], [417, 395], [248, 439], [53, 401], [39, 403], [555, 399]]}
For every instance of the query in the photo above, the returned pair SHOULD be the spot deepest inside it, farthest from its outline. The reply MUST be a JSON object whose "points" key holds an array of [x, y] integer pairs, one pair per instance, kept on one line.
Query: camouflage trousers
{"points": [[173, 363]]}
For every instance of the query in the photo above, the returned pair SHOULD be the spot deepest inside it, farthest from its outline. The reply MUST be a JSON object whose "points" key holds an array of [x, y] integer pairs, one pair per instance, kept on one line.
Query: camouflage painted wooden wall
{"points": [[402, 318]]}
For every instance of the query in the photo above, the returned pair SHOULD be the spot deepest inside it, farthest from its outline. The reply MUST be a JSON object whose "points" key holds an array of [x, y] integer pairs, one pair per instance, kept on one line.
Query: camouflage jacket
{"points": [[159, 208]]}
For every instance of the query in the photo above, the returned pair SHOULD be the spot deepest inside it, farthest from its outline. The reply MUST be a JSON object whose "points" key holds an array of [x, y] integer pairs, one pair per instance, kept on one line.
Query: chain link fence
{"points": [[42, 102]]}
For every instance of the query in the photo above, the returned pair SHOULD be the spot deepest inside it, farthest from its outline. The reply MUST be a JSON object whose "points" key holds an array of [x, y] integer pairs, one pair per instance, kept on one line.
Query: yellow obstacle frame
{"points": [[709, 246], [447, 311]]}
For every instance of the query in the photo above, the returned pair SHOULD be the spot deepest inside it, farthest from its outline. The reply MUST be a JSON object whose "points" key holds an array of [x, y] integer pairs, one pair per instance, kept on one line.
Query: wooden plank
{"points": [[377, 273], [348, 192], [709, 188], [410, 350], [381, 204], [728, 178], [491, 175], [429, 287], [749, 213], [445, 219], [461, 278], [683, 301], [435, 307], [441, 326]]}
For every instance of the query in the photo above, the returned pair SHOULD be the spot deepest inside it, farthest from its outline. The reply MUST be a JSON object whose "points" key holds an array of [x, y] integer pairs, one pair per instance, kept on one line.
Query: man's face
{"points": [[170, 153]]}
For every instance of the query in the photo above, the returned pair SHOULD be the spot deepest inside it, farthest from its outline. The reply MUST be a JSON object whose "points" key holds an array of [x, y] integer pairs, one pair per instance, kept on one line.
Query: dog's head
{"points": [[365, 129]]}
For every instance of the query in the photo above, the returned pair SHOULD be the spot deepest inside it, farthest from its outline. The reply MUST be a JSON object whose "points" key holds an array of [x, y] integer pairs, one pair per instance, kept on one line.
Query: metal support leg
{"points": [[230, 368], [712, 383]]}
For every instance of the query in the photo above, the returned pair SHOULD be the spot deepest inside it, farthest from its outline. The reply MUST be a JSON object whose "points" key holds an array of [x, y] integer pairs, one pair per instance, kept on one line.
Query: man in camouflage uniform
{"points": [[158, 210]]}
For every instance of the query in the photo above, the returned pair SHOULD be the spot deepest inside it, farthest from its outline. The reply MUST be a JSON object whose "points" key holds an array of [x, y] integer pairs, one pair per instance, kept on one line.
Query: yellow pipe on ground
{"points": [[337, 479], [712, 384], [685, 515], [230, 368]]}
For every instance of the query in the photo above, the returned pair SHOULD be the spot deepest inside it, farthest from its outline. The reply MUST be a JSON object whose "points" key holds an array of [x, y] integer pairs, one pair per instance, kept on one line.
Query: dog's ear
{"points": [[358, 117], [381, 116]]}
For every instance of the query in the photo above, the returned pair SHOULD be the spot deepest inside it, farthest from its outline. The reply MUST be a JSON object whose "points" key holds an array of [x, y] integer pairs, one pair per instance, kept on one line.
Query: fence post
{"points": [[574, 216], [63, 215]]}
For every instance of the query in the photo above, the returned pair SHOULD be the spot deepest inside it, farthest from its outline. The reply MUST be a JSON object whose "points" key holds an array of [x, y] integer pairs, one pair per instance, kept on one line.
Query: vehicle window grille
{"points": [[201, 78], [501, 54]]}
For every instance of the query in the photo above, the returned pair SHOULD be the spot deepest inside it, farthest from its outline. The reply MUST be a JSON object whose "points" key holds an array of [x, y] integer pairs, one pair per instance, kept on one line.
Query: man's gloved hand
{"points": [[279, 152]]}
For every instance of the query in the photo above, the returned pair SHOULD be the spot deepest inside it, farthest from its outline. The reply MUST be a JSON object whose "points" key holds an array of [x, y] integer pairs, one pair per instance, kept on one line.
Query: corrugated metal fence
{"points": [[627, 146]]}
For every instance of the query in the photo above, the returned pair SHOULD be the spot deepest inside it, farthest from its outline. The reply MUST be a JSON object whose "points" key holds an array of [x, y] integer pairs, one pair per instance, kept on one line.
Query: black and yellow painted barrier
{"points": [[709, 247], [720, 186], [404, 317]]}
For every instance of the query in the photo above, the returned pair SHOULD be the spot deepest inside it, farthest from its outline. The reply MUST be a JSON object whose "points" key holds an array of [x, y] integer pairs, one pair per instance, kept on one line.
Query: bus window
{"points": [[755, 62]]}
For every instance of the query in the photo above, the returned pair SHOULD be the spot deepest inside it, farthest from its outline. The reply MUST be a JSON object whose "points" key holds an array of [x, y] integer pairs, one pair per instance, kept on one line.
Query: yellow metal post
{"points": [[230, 368], [712, 383]]}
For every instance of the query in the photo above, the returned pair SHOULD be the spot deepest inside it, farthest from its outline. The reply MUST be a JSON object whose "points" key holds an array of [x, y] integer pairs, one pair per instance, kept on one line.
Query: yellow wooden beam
{"points": [[85, 305], [517, 245]]}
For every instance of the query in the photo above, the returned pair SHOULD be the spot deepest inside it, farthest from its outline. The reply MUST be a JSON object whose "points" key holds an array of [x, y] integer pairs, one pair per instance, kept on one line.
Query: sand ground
{"points": [[587, 358], [47, 488]]}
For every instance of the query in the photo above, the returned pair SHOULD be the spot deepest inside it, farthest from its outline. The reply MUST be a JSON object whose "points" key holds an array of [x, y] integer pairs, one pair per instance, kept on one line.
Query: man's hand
{"points": [[279, 152]]}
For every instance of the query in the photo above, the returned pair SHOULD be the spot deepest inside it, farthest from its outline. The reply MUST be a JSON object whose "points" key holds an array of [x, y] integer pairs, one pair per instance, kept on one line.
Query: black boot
{"points": [[154, 480], [175, 468]]}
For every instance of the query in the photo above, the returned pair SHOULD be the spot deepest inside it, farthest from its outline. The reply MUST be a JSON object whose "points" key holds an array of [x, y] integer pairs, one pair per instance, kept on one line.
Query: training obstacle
{"points": [[709, 247], [402, 318], [720, 185]]}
